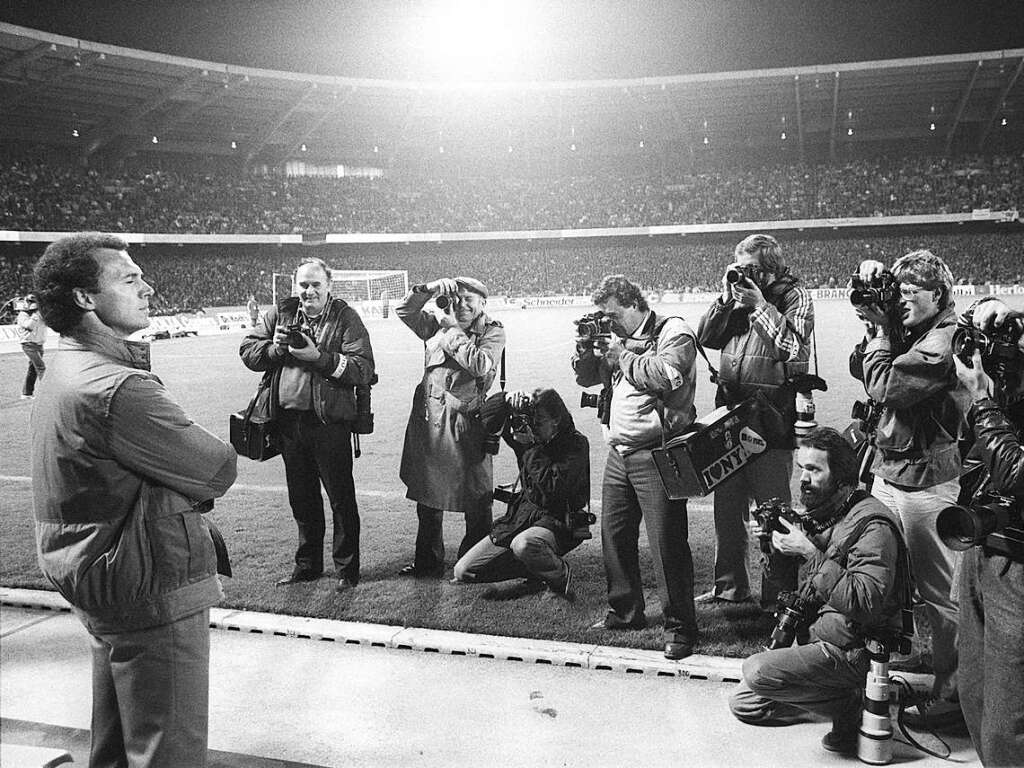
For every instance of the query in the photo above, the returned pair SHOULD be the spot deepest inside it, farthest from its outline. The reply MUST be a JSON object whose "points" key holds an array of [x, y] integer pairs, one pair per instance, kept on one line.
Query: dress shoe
{"points": [[615, 626], [344, 584], [712, 598], [843, 742], [678, 649], [299, 575], [421, 573]]}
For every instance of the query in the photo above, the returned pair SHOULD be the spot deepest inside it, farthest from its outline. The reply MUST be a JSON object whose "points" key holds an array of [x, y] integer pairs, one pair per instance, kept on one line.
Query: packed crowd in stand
{"points": [[212, 276], [45, 195]]}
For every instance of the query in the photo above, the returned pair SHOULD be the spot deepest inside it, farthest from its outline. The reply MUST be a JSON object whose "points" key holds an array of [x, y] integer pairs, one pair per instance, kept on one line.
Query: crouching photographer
{"points": [[854, 586], [989, 347], [547, 515]]}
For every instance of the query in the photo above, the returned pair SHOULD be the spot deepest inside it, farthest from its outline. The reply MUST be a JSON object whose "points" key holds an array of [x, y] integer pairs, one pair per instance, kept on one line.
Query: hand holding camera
{"points": [[298, 341], [740, 284]]}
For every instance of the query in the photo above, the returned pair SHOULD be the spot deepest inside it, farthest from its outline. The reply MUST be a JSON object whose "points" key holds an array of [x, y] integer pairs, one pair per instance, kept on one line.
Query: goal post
{"points": [[353, 285]]}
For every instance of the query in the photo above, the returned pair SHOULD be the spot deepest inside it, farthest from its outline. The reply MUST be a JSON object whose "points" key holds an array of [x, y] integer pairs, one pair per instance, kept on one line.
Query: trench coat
{"points": [[444, 464]]}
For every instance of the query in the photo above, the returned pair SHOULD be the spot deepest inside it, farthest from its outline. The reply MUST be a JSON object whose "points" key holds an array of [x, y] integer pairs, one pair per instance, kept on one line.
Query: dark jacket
{"points": [[859, 590], [554, 481], [922, 411], [342, 334], [762, 348], [117, 469], [997, 443]]}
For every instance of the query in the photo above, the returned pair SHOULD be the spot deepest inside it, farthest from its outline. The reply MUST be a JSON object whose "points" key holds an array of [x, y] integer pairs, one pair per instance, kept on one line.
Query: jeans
{"points": [[632, 490], [36, 367], [768, 477], [150, 695], [933, 565], [780, 686], [534, 553], [430, 535], [992, 655], [316, 453]]}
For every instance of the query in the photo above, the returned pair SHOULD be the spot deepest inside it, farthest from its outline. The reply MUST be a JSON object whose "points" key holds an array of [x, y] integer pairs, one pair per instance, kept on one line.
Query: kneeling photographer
{"points": [[989, 346], [547, 517], [852, 588]]}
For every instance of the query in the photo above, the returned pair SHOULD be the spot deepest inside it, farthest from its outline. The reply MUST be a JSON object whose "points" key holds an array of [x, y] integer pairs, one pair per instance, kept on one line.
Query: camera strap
{"points": [[659, 405]]}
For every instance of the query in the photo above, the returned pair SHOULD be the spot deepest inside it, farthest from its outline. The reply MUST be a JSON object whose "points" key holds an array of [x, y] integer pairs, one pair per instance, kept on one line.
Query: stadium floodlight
{"points": [[475, 39]]}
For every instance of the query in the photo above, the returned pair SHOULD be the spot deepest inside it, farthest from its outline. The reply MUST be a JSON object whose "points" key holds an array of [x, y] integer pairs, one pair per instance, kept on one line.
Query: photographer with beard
{"points": [[762, 323], [906, 364], [991, 638], [851, 584], [533, 536]]}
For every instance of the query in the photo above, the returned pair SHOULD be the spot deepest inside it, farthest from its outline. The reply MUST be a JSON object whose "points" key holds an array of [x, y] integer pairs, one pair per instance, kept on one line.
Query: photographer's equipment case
{"points": [[251, 431], [716, 447]]}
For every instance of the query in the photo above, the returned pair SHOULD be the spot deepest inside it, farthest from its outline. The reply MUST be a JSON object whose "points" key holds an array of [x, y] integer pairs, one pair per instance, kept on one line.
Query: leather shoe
{"points": [[603, 624], [299, 575], [344, 584], [711, 597], [421, 573], [843, 742], [678, 649]]}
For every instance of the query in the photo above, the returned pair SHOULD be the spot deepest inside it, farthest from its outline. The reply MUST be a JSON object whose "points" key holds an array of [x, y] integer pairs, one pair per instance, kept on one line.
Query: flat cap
{"points": [[472, 284]]}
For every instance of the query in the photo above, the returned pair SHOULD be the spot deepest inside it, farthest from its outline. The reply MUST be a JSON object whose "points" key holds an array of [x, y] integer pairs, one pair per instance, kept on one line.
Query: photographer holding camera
{"points": [[445, 462], [850, 591], [762, 323], [648, 360], [32, 335], [316, 351], [908, 370], [991, 638], [531, 539]]}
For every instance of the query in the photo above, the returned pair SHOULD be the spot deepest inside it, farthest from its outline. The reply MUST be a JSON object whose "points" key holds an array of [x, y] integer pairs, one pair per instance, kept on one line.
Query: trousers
{"points": [[933, 565], [534, 553], [430, 535], [150, 695], [780, 686], [631, 491], [764, 479], [991, 645], [316, 453], [36, 367]]}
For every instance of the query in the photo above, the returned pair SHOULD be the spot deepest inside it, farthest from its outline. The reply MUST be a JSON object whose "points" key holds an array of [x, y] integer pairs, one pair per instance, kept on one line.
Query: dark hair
{"points": [[767, 250], [843, 464], [67, 264], [627, 293], [549, 401]]}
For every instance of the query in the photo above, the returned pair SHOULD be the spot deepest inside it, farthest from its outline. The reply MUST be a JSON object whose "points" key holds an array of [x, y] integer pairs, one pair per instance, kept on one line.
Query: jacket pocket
{"points": [[180, 544], [337, 402]]}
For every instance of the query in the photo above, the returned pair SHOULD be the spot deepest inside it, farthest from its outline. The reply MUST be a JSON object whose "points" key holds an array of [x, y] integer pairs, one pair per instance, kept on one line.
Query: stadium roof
{"points": [[106, 100]]}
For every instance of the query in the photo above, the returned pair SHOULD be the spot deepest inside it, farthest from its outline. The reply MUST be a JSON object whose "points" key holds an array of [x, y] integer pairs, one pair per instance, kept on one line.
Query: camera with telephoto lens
{"points": [[363, 424], [1000, 353], [444, 301], [991, 520], [740, 272], [868, 414], [793, 615], [593, 327], [880, 291]]}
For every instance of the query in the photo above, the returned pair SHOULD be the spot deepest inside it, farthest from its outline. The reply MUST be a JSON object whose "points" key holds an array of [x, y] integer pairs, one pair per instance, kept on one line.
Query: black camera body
{"points": [[295, 333], [593, 327], [1000, 353], [444, 301], [602, 401], [868, 414], [505, 494], [991, 520], [880, 291], [794, 615], [740, 272], [579, 523], [769, 515]]}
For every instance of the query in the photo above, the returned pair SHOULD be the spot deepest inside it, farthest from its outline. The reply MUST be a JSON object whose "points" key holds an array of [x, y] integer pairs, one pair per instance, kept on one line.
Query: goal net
{"points": [[354, 286]]}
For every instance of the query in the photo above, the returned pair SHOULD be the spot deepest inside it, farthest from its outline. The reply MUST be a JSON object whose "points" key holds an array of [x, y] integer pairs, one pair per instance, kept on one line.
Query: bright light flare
{"points": [[478, 39]]}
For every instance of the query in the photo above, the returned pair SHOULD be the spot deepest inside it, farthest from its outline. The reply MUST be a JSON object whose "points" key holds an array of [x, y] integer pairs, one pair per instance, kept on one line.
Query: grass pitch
{"points": [[207, 378]]}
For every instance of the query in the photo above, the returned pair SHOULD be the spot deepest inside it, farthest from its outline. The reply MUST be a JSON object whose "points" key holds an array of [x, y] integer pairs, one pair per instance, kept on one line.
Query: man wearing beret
{"points": [[444, 464]]}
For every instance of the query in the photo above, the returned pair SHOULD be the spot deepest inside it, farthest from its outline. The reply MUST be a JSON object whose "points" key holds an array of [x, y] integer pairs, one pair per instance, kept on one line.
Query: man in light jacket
{"points": [[120, 478]]}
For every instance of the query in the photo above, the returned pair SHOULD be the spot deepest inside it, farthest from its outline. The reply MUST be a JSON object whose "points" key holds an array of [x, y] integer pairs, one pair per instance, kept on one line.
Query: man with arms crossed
{"points": [[121, 477]]}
